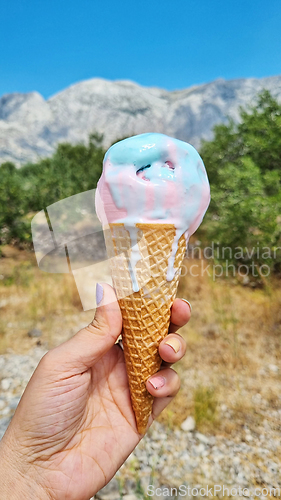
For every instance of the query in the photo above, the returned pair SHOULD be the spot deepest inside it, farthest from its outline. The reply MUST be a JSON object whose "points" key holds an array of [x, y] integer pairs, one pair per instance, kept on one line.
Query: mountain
{"points": [[30, 126]]}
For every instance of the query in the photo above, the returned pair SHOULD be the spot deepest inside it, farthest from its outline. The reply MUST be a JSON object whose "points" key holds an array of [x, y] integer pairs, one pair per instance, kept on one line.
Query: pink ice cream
{"points": [[153, 178]]}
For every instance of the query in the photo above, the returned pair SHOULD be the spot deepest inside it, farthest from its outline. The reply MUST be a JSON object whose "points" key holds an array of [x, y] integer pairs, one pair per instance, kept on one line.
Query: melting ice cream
{"points": [[153, 178]]}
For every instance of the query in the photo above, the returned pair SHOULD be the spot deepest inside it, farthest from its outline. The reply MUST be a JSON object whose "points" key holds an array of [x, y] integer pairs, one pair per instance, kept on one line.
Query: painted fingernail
{"points": [[157, 382], [174, 344], [188, 304], [99, 294]]}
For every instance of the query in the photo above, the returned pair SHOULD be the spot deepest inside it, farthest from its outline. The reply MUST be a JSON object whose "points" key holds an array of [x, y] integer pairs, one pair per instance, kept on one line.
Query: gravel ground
{"points": [[168, 458]]}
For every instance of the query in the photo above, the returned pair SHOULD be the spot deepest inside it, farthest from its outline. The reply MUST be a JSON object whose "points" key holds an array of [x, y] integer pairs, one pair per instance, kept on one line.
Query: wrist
{"points": [[16, 487], [16, 483]]}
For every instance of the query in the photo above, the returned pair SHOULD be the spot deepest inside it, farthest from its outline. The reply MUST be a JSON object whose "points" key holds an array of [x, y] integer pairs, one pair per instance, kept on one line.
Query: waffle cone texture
{"points": [[145, 313]]}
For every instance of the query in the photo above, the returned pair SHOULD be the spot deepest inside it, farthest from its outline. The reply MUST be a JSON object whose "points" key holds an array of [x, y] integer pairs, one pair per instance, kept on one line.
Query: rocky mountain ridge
{"points": [[31, 127]]}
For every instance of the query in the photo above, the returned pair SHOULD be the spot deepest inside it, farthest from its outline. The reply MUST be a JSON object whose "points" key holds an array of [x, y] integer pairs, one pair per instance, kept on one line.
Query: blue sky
{"points": [[47, 46]]}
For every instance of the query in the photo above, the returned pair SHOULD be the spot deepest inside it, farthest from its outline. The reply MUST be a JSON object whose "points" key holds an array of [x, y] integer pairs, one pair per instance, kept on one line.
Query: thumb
{"points": [[91, 343]]}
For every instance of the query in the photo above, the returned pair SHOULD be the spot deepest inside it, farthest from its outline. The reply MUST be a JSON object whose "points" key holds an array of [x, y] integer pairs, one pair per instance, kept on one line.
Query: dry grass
{"points": [[30, 298], [233, 339]]}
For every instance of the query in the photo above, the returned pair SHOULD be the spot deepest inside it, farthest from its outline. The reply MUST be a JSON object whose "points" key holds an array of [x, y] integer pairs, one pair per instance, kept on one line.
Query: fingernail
{"points": [[99, 294], [174, 344], [157, 382], [188, 304]]}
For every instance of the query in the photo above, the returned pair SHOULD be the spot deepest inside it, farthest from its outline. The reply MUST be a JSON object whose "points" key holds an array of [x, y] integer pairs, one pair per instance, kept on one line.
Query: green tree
{"points": [[12, 206], [71, 170], [243, 162]]}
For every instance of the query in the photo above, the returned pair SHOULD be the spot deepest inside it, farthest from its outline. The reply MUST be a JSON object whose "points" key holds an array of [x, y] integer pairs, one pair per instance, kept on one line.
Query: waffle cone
{"points": [[146, 313]]}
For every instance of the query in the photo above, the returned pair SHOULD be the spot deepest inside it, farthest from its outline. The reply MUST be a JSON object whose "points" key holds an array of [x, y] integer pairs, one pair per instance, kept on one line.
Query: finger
{"points": [[172, 348], [86, 347], [165, 394], [180, 314], [164, 383]]}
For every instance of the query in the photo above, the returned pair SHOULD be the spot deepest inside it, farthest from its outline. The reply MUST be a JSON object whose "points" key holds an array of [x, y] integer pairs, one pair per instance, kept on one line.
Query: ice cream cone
{"points": [[153, 191], [146, 312]]}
